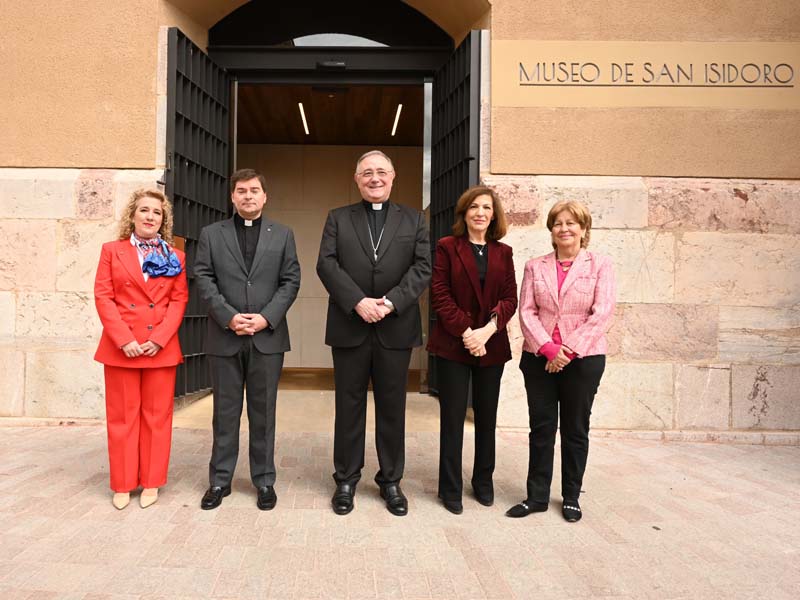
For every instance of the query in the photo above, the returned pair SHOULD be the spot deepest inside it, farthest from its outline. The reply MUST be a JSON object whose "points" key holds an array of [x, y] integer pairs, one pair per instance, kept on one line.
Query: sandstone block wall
{"points": [[706, 339], [52, 225]]}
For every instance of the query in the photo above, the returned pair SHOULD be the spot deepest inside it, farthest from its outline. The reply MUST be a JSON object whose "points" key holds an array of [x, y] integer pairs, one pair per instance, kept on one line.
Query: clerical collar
{"points": [[375, 205], [246, 222]]}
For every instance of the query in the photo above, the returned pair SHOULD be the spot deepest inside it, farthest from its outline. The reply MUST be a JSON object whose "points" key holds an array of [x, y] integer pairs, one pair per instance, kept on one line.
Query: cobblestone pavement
{"points": [[662, 520]]}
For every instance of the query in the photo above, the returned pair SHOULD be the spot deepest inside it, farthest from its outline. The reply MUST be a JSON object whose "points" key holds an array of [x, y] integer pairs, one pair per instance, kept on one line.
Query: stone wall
{"points": [[52, 225], [706, 339]]}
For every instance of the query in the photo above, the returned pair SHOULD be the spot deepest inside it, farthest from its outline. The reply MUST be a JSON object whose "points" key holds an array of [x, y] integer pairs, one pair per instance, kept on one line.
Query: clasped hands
{"points": [[247, 323], [372, 310], [475, 339], [559, 362], [134, 349]]}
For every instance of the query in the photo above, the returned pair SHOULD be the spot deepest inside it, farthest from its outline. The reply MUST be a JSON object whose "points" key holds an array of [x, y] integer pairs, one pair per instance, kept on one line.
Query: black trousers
{"points": [[388, 369], [229, 374], [455, 380], [570, 392]]}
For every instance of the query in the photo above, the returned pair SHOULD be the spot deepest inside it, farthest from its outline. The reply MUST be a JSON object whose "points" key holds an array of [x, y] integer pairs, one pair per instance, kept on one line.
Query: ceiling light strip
{"points": [[397, 118], [303, 116]]}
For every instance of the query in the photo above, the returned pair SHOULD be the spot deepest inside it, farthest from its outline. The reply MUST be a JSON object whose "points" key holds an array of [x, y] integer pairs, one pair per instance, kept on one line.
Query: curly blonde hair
{"points": [[126, 224], [579, 212]]}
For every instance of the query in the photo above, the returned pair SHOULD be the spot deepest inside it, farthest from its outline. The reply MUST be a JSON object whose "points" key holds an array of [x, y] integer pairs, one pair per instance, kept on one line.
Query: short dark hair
{"points": [[497, 228], [245, 175]]}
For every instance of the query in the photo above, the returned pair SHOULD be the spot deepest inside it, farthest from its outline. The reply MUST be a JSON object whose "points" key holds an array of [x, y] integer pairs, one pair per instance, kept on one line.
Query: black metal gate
{"points": [[455, 144], [198, 157]]}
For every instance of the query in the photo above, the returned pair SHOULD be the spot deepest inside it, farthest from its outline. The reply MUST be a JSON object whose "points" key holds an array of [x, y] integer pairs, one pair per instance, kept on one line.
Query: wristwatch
{"points": [[388, 303]]}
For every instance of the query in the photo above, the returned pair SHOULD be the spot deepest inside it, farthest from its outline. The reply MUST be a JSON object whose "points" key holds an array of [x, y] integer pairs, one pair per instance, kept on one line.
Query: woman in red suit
{"points": [[474, 294], [140, 293], [565, 308]]}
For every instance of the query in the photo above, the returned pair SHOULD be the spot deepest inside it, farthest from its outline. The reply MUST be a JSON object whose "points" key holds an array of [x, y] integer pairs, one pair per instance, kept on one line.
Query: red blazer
{"points": [[132, 309], [582, 311], [459, 301]]}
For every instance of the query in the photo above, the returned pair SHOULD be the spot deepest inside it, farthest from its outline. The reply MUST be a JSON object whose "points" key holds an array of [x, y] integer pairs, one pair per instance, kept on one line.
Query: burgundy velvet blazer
{"points": [[459, 301]]}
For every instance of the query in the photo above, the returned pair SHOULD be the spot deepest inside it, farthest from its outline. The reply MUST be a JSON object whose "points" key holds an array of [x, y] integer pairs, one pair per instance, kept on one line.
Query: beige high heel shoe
{"points": [[121, 500], [148, 497]]}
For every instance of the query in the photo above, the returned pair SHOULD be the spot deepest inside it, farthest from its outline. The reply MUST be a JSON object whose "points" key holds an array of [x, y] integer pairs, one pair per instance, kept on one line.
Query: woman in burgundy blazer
{"points": [[566, 304], [474, 294], [140, 293]]}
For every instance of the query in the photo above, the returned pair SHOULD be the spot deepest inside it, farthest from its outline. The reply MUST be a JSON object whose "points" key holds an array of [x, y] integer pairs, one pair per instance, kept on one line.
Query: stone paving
{"points": [[662, 520]]}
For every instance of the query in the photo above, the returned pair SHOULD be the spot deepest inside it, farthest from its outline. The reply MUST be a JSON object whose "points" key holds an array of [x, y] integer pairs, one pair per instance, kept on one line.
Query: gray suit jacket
{"points": [[227, 288], [349, 272]]}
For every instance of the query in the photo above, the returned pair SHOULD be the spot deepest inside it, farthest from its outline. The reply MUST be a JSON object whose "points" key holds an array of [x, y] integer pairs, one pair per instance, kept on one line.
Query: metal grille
{"points": [[198, 129], [455, 144]]}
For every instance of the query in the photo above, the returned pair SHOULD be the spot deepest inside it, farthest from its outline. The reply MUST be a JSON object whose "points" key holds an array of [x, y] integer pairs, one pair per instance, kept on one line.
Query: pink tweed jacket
{"points": [[582, 311]]}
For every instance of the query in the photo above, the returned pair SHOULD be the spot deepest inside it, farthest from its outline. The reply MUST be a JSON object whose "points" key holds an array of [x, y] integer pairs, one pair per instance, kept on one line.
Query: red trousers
{"points": [[139, 417]]}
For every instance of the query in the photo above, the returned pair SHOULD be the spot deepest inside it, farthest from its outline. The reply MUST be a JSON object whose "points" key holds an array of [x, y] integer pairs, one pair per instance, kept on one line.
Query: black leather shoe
{"points": [[487, 499], [267, 498], [396, 502], [342, 500], [454, 506], [524, 508], [571, 511], [213, 496]]}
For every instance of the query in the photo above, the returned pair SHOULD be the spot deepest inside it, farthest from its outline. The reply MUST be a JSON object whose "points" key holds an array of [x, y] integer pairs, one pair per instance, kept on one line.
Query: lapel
{"points": [[389, 228], [549, 275], [265, 238], [579, 266], [361, 226], [468, 260], [130, 260], [229, 235]]}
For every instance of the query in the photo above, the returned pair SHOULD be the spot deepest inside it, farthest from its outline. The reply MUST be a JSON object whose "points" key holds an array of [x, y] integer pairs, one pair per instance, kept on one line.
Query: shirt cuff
{"points": [[549, 350]]}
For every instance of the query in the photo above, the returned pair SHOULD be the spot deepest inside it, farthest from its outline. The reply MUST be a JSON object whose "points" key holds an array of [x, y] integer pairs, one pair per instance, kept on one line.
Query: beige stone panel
{"points": [[72, 110], [527, 243], [294, 322], [327, 176], [8, 311], [758, 206], [169, 15], [128, 181], [679, 332], [646, 141], [52, 388], [407, 188], [634, 20], [702, 397], [738, 269], [614, 202], [12, 382], [512, 409], [644, 263], [79, 244], [307, 227], [27, 255], [282, 165], [635, 396], [37, 193], [759, 335], [765, 396], [62, 316], [520, 197], [315, 354]]}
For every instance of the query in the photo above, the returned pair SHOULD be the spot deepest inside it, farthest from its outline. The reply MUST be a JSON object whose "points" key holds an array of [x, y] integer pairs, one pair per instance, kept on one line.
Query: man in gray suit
{"points": [[247, 273], [375, 262]]}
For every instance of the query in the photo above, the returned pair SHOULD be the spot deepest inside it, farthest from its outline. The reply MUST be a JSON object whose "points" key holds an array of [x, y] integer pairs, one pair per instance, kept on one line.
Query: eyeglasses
{"points": [[369, 174]]}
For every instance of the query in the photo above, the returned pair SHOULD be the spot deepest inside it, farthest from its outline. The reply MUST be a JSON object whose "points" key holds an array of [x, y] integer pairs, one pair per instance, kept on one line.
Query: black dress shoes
{"points": [[454, 506], [526, 507], [342, 500], [213, 496], [571, 511], [487, 499], [396, 502], [267, 498]]}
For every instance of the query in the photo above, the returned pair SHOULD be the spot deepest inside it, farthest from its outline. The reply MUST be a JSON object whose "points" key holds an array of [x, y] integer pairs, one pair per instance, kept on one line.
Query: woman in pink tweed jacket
{"points": [[565, 308]]}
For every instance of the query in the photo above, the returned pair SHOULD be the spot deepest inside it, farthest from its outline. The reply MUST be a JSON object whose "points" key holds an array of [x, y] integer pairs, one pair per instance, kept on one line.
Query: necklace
{"points": [[565, 264], [479, 248], [373, 244]]}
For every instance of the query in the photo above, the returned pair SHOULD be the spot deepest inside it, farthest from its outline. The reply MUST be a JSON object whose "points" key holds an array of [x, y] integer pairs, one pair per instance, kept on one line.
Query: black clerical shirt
{"points": [[376, 220], [248, 238]]}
